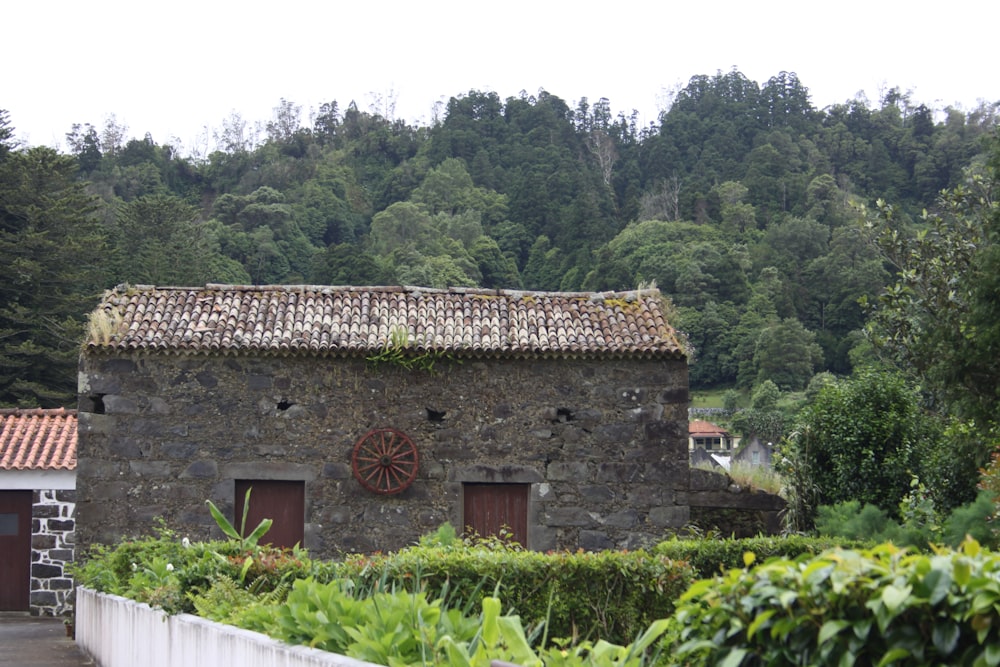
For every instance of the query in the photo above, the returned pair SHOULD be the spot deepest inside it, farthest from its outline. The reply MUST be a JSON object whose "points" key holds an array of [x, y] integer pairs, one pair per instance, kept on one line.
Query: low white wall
{"points": [[118, 632]]}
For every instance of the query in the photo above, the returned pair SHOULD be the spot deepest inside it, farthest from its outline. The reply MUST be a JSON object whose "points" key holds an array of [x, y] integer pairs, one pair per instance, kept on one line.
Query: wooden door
{"points": [[15, 550], [492, 507], [282, 501]]}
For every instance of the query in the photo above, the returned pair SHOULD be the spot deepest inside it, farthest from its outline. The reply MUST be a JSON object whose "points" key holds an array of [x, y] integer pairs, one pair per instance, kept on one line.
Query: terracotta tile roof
{"points": [[37, 439], [318, 320], [702, 428]]}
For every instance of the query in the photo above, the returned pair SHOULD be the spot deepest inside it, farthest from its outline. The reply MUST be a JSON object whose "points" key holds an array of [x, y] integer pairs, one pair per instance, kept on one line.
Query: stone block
{"points": [[89, 422], [207, 379], [660, 431], [673, 516], [201, 469], [676, 395], [628, 518], [596, 493], [39, 542], [567, 470], [336, 471], [619, 473], [259, 382], [43, 571], [178, 450], [119, 405], [594, 540], [109, 491], [150, 468], [61, 524], [568, 516], [619, 434], [632, 396], [119, 366], [153, 427], [60, 584], [43, 598], [277, 470], [39, 511], [646, 413], [158, 406]]}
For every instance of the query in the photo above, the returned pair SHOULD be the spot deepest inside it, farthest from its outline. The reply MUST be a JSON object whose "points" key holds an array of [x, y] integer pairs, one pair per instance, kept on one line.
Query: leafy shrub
{"points": [[972, 520], [877, 606], [711, 556], [387, 627], [922, 527], [612, 595], [849, 519], [165, 571]]}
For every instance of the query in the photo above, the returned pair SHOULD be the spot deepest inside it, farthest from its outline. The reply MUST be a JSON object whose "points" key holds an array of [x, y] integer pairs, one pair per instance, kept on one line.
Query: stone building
{"points": [[363, 418], [37, 500]]}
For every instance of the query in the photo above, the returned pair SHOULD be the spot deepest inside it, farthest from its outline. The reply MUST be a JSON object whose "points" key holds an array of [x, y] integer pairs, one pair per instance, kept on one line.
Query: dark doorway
{"points": [[492, 507], [15, 550], [282, 501]]}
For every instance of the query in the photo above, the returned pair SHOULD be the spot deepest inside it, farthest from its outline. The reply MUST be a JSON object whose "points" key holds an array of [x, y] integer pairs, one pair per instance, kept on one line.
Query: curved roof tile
{"points": [[37, 439], [324, 321]]}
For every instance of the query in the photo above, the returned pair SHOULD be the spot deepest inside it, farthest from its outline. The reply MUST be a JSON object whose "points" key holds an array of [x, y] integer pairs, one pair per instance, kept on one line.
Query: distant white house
{"points": [[710, 437]]}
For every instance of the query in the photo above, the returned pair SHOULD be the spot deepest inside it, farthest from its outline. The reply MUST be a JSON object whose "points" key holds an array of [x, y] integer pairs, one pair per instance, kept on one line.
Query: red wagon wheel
{"points": [[385, 461]]}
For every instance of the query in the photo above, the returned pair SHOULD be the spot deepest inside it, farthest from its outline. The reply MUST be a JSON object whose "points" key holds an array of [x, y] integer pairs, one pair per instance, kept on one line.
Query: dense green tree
{"points": [[52, 271], [938, 317], [787, 355], [863, 439], [159, 240]]}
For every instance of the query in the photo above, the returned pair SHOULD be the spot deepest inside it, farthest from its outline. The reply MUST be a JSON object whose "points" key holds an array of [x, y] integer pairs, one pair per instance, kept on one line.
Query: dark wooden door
{"points": [[492, 507], [15, 550], [282, 501]]}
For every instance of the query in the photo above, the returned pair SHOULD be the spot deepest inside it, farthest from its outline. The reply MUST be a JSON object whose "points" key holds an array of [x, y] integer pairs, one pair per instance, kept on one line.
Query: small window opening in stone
{"points": [[284, 405], [564, 414], [435, 415], [96, 404]]}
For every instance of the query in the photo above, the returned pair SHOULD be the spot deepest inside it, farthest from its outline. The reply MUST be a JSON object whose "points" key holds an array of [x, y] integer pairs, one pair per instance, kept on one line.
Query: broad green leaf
{"points": [[830, 629], [761, 618], [734, 658], [259, 531], [992, 654], [893, 597], [652, 633], [513, 635], [893, 655], [491, 628], [222, 521], [945, 637]]}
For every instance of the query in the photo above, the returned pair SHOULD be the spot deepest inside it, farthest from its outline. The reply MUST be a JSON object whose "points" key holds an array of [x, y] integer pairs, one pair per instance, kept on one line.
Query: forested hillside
{"points": [[743, 204]]}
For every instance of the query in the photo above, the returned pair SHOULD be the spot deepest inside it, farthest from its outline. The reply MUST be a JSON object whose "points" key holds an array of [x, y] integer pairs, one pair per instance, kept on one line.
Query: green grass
{"points": [[708, 398], [750, 476]]}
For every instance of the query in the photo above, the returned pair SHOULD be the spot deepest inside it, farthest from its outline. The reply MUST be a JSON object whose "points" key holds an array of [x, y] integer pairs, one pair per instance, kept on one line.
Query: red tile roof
{"points": [[37, 439], [700, 428], [316, 320]]}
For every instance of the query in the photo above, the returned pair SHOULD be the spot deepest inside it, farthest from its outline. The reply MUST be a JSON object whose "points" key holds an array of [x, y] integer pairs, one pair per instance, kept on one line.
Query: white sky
{"points": [[172, 68]]}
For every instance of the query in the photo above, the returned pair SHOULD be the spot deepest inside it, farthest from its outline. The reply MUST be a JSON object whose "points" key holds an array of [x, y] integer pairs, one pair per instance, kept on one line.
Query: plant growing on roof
{"points": [[395, 353]]}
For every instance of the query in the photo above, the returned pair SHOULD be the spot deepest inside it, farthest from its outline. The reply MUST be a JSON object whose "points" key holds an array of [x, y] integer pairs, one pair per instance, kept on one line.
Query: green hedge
{"points": [[881, 606], [611, 595], [709, 556]]}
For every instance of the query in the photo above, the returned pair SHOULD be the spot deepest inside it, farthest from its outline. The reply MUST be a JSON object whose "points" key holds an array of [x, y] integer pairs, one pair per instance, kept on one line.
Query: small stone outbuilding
{"points": [[364, 417], [37, 501]]}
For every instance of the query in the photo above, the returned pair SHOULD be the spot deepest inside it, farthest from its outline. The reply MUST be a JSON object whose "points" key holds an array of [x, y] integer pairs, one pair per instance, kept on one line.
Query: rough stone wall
{"points": [[719, 504], [603, 444], [52, 547]]}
